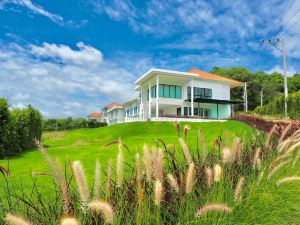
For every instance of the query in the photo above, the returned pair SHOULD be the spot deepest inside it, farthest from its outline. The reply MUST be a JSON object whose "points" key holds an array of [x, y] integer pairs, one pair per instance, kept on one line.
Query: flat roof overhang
{"points": [[155, 71], [216, 101]]}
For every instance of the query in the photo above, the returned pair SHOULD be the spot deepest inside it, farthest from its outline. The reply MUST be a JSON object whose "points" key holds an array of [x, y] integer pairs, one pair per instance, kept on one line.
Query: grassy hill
{"points": [[87, 145]]}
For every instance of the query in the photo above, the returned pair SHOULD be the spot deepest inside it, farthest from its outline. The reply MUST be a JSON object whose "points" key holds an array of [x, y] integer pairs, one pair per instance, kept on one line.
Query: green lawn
{"points": [[87, 145]]}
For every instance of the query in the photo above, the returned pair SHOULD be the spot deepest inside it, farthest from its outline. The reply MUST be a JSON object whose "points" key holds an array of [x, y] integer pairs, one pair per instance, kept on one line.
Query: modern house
{"points": [[96, 116], [166, 95]]}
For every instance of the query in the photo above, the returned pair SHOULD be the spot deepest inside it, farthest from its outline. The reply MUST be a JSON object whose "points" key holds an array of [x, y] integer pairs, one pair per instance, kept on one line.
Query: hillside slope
{"points": [[87, 145]]}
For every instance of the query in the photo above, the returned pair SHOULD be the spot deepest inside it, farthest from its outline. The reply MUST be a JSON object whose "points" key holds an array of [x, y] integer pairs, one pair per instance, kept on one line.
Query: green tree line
{"points": [[270, 84], [70, 123], [20, 129], [276, 107]]}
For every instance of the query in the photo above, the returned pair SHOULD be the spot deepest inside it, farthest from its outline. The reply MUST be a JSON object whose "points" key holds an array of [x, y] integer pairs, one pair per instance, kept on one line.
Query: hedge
{"points": [[69, 124], [20, 129], [276, 107]]}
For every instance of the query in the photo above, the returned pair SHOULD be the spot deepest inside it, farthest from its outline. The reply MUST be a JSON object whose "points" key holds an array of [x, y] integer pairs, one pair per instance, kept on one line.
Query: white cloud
{"points": [[278, 69], [34, 8], [86, 54], [67, 83]]}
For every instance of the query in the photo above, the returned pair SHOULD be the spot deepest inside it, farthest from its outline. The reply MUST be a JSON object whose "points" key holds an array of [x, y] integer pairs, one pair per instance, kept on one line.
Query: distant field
{"points": [[87, 145]]}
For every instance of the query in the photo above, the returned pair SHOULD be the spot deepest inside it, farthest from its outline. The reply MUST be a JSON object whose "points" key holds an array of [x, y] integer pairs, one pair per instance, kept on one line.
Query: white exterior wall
{"points": [[115, 115]]}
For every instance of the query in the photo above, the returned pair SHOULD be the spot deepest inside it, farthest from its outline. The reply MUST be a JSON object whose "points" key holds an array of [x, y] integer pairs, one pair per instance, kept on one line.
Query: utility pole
{"points": [[245, 97], [283, 52], [261, 97]]}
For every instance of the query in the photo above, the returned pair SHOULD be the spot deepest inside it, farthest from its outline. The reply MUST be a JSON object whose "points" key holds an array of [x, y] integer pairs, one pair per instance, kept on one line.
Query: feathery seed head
{"points": [[97, 181], [15, 220], [288, 180], [148, 163], [186, 151], [226, 155], [158, 192], [104, 209], [211, 208], [81, 182], [69, 221], [120, 161], [238, 189], [190, 178], [173, 182], [217, 173], [209, 177]]}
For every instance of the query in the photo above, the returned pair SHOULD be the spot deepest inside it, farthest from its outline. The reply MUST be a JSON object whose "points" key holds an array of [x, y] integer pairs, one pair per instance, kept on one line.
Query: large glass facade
{"points": [[200, 92], [166, 91]]}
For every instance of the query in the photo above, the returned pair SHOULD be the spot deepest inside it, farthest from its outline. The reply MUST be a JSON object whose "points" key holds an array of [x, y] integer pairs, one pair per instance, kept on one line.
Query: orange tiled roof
{"points": [[95, 114], [112, 105], [210, 76]]}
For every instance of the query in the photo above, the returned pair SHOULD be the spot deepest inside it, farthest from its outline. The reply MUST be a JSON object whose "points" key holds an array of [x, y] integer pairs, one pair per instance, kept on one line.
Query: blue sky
{"points": [[69, 58]]}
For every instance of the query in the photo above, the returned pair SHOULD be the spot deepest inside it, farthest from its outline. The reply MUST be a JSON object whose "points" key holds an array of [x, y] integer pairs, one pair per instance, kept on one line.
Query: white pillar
{"points": [[149, 101], [157, 94], [192, 98], [141, 104]]}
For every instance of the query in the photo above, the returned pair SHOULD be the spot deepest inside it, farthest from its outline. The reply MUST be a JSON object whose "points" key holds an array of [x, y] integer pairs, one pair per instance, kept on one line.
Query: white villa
{"points": [[165, 95]]}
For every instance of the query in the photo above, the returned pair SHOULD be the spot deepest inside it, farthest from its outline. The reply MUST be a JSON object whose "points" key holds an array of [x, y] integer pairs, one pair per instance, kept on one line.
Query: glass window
{"points": [[166, 91], [161, 90], [208, 93], [153, 91], [178, 92], [185, 111], [172, 91], [189, 92]]}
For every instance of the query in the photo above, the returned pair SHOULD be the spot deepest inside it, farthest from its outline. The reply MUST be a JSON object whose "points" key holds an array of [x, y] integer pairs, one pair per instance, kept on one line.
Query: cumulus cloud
{"points": [[34, 8], [62, 81], [278, 69]]}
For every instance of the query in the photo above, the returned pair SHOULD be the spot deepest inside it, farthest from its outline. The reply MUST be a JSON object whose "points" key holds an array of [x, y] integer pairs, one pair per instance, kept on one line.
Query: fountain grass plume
{"points": [[209, 177], [219, 207], [276, 168], [158, 192], [203, 145], [190, 178], [186, 151], [16, 220], [69, 221], [256, 157], [173, 183], [148, 163], [97, 181], [120, 164], [288, 180], [158, 164], [104, 209], [238, 189], [81, 182], [108, 179], [217, 173]]}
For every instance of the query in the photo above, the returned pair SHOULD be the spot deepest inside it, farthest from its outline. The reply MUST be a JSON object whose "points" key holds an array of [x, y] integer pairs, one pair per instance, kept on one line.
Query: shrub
{"points": [[19, 129], [276, 107]]}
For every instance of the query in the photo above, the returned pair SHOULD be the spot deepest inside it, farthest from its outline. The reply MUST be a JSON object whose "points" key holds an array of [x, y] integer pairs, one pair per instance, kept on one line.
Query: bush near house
{"points": [[266, 123], [19, 128], [70, 124], [276, 107]]}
